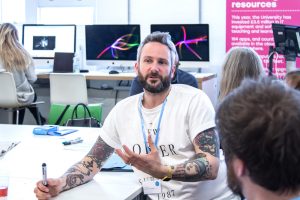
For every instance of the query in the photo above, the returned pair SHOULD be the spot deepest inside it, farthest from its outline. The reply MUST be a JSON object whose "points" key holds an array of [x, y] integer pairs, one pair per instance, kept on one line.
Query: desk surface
{"points": [[97, 75], [24, 165], [124, 76]]}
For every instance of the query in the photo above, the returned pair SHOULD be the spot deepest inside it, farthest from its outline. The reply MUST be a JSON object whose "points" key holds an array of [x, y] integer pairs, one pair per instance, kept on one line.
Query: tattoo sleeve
{"points": [[85, 170], [208, 141], [200, 166]]}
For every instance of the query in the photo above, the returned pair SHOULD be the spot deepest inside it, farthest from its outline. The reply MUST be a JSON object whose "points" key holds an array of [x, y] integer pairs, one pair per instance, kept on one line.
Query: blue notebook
{"points": [[116, 164], [52, 130], [44, 130]]}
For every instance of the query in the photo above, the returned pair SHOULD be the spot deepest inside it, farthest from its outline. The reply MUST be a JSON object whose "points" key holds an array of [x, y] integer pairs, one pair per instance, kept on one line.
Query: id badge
{"points": [[152, 186]]}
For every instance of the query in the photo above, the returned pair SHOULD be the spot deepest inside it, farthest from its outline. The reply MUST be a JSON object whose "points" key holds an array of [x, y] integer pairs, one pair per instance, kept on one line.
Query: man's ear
{"points": [[173, 69], [239, 167], [136, 68]]}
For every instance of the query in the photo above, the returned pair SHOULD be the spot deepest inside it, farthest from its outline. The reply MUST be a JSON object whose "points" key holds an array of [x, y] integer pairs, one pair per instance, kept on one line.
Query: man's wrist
{"points": [[62, 184], [169, 174]]}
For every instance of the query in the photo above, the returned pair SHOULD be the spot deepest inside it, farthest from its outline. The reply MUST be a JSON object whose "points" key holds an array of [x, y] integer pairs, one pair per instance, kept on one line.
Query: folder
{"points": [[116, 164], [52, 130], [44, 130]]}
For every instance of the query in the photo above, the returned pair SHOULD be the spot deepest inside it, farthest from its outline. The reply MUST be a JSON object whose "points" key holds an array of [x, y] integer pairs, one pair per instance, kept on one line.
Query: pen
{"points": [[75, 141], [44, 169]]}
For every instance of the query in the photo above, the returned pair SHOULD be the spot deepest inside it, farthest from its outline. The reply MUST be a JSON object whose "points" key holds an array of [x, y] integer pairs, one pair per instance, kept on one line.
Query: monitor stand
{"points": [[43, 63]]}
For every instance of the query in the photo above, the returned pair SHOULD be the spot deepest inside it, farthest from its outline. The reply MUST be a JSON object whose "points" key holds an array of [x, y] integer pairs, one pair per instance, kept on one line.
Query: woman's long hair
{"points": [[12, 53], [240, 63]]}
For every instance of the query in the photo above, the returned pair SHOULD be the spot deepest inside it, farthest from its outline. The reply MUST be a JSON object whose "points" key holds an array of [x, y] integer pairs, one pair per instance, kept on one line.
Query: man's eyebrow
{"points": [[147, 57]]}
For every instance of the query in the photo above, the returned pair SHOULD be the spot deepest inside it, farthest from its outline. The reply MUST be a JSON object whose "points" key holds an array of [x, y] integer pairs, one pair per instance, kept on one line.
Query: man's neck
{"points": [[151, 100], [256, 192]]}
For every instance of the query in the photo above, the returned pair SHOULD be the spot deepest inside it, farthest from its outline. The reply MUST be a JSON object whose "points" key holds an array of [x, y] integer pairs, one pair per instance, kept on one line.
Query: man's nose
{"points": [[155, 66]]}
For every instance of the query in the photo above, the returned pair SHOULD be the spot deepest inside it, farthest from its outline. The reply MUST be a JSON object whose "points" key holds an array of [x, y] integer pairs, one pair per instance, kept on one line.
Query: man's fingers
{"points": [[128, 151], [127, 155], [42, 187], [151, 144], [41, 191], [122, 155]]}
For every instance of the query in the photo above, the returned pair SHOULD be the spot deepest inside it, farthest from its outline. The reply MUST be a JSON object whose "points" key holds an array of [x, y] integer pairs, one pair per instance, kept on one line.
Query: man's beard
{"points": [[164, 84], [233, 183]]}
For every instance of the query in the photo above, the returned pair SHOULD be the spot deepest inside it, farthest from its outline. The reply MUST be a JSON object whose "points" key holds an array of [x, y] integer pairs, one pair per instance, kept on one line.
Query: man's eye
{"points": [[163, 62], [147, 61]]}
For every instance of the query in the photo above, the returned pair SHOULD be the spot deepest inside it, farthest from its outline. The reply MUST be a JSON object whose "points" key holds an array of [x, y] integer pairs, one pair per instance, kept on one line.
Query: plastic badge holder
{"points": [[44, 130]]}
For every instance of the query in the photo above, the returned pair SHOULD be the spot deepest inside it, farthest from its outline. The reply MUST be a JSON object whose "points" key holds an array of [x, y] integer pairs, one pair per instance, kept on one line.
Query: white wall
{"points": [[111, 12], [145, 12], [215, 16]]}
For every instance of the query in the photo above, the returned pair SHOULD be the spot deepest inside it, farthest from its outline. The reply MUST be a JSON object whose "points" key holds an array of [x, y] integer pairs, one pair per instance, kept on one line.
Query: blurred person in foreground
{"points": [[259, 126]]}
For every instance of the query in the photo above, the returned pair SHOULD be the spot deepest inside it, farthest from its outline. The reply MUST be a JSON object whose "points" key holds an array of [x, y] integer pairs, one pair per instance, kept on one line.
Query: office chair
{"points": [[68, 88], [66, 91], [8, 96]]}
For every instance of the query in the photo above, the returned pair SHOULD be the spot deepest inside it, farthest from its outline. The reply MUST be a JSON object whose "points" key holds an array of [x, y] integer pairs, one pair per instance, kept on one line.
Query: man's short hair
{"points": [[259, 123], [163, 38]]}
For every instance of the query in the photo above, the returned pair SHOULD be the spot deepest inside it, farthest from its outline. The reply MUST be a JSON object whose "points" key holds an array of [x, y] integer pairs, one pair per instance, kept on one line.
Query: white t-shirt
{"points": [[188, 111]]}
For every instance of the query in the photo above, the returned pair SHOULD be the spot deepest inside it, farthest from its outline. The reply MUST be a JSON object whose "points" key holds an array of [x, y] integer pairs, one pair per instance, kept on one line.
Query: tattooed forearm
{"points": [[84, 170], [208, 141], [100, 152], [196, 169]]}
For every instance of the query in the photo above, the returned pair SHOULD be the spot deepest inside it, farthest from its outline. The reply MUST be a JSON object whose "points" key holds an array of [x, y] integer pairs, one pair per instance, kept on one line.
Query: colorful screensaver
{"points": [[112, 42], [191, 40]]}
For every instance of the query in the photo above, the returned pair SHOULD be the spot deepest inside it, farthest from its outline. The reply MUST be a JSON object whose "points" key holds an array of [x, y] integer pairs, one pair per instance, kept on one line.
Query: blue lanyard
{"points": [[143, 123]]}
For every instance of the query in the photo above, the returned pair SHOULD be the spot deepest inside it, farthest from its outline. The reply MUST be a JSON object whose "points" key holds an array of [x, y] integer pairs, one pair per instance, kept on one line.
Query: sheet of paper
{"points": [[6, 146]]}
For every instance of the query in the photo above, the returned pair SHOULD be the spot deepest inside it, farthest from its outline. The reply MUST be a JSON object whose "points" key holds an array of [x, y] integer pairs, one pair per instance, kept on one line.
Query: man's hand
{"points": [[53, 188], [149, 163]]}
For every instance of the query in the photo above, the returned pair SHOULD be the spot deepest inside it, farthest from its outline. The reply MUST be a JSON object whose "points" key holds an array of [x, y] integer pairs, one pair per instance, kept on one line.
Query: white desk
{"points": [[98, 75], [24, 165]]}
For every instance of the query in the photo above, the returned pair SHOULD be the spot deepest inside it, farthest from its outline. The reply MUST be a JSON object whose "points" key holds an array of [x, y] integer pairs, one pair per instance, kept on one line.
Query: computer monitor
{"points": [[287, 43], [42, 41], [111, 45], [286, 39], [191, 40]]}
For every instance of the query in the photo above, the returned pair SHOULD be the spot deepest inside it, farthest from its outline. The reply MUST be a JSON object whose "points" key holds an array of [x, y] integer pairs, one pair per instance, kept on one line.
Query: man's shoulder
{"points": [[128, 101], [184, 77], [183, 89], [183, 73]]}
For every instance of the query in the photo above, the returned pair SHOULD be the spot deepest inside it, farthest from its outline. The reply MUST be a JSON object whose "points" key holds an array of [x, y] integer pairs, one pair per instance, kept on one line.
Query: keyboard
{"points": [[43, 69]]}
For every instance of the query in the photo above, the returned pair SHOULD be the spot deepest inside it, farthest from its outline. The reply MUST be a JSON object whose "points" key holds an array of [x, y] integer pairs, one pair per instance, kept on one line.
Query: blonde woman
{"points": [[15, 59], [240, 63]]}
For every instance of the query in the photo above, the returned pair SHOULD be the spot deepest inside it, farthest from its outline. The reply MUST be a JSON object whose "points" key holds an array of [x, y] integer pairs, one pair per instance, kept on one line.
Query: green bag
{"points": [[56, 112]]}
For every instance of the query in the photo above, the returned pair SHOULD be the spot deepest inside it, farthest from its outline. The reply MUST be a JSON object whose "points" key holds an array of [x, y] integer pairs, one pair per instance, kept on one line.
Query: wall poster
{"points": [[248, 23]]}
